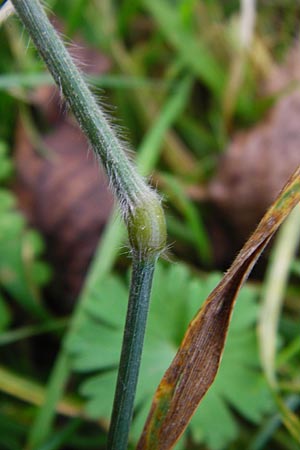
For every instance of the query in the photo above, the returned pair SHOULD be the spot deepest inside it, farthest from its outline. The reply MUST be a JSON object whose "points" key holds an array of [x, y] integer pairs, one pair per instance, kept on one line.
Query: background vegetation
{"points": [[182, 82]]}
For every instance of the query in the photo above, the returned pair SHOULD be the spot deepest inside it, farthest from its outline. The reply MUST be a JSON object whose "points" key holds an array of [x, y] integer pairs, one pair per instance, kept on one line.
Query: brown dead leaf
{"points": [[256, 165], [196, 363], [258, 161], [63, 192], [66, 197], [284, 76]]}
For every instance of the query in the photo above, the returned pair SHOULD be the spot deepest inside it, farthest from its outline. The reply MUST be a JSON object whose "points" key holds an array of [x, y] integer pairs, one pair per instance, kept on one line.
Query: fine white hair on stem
{"points": [[129, 187], [46, 7], [108, 112]]}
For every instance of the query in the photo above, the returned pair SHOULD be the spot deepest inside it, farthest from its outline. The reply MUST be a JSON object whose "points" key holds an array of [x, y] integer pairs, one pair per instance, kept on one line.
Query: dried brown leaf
{"points": [[256, 166], [196, 363], [60, 186]]}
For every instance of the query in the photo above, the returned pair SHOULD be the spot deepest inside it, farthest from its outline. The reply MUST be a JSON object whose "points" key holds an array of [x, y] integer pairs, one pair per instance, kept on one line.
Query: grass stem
{"points": [[142, 275]]}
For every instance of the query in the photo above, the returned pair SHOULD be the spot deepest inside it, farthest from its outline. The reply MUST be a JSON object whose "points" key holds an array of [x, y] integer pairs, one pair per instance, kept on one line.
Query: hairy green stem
{"points": [[129, 187], [142, 274], [103, 260], [140, 205]]}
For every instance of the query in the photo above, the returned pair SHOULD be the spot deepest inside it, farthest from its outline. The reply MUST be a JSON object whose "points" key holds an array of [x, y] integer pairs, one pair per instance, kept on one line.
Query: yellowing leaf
{"points": [[196, 363]]}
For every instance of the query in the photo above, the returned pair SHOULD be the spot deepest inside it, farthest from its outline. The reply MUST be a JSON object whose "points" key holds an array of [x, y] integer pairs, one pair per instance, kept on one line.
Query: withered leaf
{"points": [[255, 167], [196, 363], [60, 187]]}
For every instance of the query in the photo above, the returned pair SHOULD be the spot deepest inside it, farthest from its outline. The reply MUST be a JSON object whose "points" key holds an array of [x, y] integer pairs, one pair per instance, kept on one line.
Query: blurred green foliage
{"points": [[162, 52], [20, 270]]}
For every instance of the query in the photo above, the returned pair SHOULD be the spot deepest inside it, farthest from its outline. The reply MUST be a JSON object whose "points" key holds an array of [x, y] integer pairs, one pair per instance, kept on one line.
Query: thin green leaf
{"points": [[289, 418], [5, 315], [267, 430], [14, 335], [20, 272], [60, 438], [32, 80], [276, 280], [198, 57], [192, 216], [33, 393], [173, 107], [6, 166]]}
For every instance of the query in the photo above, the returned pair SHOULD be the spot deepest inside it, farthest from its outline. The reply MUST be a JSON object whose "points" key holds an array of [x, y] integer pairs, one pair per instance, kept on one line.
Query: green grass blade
{"points": [[11, 336], [32, 80], [150, 149], [74, 17], [267, 430], [59, 439], [192, 217], [190, 48], [275, 284], [33, 393]]}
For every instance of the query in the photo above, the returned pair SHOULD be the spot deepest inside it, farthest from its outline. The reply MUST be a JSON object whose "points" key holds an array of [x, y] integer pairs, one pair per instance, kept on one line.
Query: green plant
{"points": [[176, 296], [21, 273], [140, 206], [146, 235]]}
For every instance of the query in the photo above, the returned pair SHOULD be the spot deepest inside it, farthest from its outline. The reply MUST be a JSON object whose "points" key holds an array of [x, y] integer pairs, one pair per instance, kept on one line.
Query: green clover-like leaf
{"points": [[20, 270], [176, 297]]}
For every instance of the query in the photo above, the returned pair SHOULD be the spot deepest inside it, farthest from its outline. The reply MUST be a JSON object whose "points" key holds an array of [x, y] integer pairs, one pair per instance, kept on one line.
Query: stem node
{"points": [[147, 229]]}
